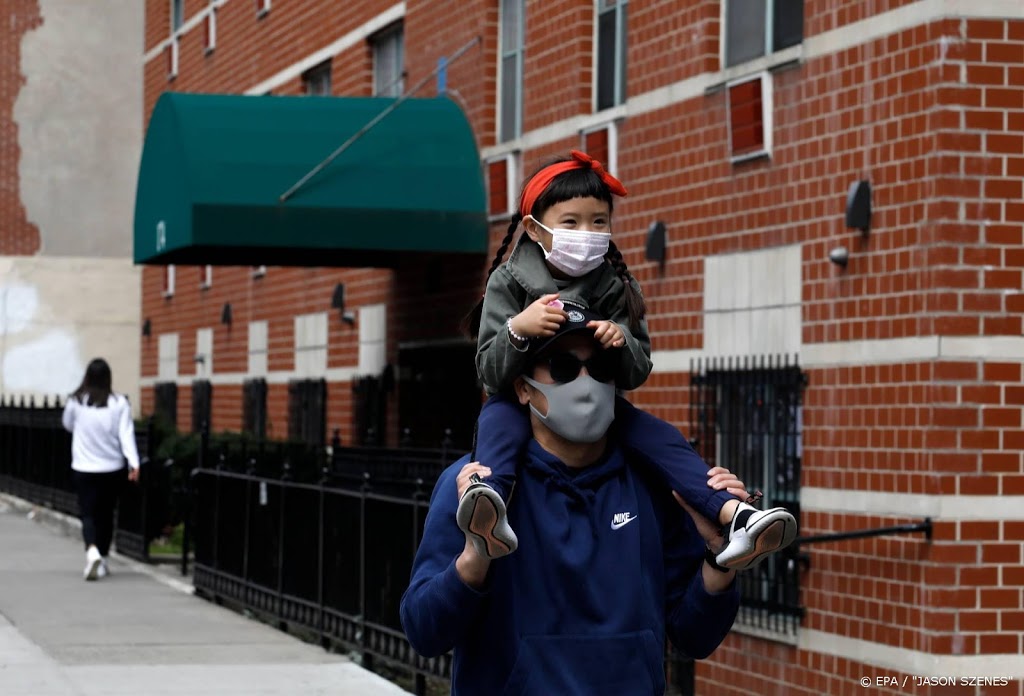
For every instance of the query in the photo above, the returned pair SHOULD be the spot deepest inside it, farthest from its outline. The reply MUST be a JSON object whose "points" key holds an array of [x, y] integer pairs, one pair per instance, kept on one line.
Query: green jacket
{"points": [[521, 281]]}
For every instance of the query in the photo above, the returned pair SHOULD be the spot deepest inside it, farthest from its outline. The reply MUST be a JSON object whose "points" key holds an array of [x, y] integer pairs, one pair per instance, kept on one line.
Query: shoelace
{"points": [[754, 498]]}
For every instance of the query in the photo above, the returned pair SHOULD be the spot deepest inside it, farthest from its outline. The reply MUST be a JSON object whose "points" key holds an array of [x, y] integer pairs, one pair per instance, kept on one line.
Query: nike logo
{"points": [[621, 519]]}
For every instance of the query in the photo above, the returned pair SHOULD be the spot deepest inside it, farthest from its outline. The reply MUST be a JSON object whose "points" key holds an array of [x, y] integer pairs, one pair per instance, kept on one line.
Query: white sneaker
{"points": [[752, 534], [104, 571], [483, 519], [93, 561]]}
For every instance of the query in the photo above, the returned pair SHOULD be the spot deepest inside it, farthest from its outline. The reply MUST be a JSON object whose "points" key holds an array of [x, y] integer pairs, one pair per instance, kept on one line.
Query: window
{"points": [[168, 289], [748, 419], [202, 401], [389, 62], [165, 406], [254, 407], [177, 15], [501, 182], [211, 30], [755, 28], [317, 80], [307, 411], [611, 53], [750, 117], [205, 277], [172, 58], [601, 143], [510, 100]]}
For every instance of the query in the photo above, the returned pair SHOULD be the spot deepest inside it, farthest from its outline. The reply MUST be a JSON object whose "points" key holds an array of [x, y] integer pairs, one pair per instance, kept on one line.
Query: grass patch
{"points": [[169, 545]]}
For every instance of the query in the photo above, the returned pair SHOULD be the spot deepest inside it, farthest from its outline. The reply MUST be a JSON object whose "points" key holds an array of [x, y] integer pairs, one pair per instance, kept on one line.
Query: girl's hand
{"points": [[608, 334], [540, 319]]}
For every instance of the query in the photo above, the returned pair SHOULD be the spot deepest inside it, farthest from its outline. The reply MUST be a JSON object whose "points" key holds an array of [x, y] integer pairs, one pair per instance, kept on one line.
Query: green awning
{"points": [[214, 167]]}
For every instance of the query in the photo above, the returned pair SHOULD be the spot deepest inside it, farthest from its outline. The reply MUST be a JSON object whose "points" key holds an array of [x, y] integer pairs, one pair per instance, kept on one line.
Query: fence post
{"points": [[364, 489]]}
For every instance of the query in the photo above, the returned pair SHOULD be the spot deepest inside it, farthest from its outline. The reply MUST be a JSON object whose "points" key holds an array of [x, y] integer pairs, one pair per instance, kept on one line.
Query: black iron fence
{"points": [[745, 415], [35, 464], [317, 543]]}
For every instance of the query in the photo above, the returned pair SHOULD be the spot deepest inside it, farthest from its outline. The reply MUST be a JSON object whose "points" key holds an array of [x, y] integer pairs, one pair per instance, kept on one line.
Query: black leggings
{"points": [[97, 497]]}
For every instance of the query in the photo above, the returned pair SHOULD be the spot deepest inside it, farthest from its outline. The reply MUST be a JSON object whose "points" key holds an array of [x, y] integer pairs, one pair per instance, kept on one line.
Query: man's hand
{"points": [[540, 319], [721, 478], [709, 530], [462, 481], [470, 565], [608, 334]]}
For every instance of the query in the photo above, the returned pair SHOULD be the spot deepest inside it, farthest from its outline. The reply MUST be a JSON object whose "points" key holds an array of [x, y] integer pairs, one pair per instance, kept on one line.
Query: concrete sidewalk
{"points": [[130, 634]]}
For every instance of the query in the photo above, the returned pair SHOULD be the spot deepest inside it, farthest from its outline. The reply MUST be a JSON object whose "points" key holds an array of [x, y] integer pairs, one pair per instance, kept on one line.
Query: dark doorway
{"points": [[438, 391]]}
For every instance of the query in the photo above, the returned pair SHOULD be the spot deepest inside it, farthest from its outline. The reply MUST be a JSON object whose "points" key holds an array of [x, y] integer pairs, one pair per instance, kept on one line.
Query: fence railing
{"points": [[318, 544], [35, 464]]}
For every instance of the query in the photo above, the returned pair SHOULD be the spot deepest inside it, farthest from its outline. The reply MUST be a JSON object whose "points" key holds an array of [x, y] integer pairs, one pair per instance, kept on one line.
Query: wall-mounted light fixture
{"points": [[840, 256], [338, 303], [225, 314], [147, 328], [858, 207], [655, 250]]}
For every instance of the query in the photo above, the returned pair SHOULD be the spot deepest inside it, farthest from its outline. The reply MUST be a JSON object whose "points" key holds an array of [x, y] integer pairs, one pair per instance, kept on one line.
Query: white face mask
{"points": [[575, 252]]}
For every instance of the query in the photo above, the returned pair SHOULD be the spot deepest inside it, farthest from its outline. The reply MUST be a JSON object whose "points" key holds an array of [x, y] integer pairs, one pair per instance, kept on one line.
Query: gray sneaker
{"points": [[753, 534], [483, 519]]}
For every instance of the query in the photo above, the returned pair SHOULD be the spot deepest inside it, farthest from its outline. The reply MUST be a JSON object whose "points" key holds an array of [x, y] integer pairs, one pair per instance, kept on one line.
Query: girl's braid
{"points": [[472, 321], [635, 305]]}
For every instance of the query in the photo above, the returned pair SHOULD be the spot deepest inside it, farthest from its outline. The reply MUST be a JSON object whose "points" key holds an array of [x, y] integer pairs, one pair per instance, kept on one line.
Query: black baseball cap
{"points": [[577, 318]]}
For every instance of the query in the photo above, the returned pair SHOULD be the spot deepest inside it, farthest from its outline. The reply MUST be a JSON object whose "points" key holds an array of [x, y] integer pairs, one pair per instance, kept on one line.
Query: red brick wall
{"points": [[18, 236]]}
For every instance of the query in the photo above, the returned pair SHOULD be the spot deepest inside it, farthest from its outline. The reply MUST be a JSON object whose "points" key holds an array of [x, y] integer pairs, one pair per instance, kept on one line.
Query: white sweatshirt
{"points": [[101, 438]]}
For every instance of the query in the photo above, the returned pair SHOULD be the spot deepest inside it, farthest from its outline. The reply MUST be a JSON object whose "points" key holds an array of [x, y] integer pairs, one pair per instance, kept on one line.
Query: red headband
{"points": [[540, 182]]}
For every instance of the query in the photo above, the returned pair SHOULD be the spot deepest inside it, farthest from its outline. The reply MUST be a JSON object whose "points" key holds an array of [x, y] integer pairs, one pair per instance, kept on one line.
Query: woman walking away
{"points": [[102, 438]]}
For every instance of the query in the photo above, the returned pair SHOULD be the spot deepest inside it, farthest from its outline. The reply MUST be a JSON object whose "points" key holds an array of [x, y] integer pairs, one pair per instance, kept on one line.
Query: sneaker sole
{"points": [[773, 532], [486, 524], [94, 571]]}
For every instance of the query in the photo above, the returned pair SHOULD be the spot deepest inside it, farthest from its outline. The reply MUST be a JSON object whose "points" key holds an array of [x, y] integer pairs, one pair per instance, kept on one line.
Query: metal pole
{"points": [[373, 122], [925, 526]]}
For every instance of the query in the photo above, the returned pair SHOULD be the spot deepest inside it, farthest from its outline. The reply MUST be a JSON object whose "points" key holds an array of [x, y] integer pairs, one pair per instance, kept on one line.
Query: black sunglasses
{"points": [[565, 367]]}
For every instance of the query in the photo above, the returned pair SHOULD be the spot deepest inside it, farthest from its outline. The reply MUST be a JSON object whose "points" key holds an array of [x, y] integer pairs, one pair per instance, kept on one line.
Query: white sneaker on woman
{"points": [[104, 570], [93, 561]]}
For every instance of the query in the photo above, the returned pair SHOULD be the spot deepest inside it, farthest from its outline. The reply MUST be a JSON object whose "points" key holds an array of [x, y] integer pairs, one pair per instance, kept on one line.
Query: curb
{"points": [[69, 526]]}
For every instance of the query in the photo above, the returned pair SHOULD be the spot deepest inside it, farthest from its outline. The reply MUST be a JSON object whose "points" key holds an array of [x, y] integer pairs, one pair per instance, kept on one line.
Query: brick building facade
{"points": [[740, 125]]}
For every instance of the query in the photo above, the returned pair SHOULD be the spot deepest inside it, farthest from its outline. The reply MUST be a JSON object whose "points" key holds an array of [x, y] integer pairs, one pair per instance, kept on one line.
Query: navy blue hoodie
{"points": [[607, 565]]}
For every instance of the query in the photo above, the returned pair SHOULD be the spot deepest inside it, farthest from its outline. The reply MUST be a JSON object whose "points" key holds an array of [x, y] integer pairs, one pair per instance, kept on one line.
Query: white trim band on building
{"points": [[947, 508], [902, 661], [874, 352], [332, 374], [186, 26]]}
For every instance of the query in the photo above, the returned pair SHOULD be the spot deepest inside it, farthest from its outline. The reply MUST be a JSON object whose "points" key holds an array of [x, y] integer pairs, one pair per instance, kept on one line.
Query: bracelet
{"points": [[709, 558], [516, 338]]}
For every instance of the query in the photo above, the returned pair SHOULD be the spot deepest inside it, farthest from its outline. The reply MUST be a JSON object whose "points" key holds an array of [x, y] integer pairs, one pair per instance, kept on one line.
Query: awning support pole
{"points": [[373, 122]]}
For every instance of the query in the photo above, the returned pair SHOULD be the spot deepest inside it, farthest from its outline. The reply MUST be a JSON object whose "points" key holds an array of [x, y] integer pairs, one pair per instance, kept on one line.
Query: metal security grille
{"points": [[166, 402], [202, 404], [745, 415], [307, 411], [254, 407]]}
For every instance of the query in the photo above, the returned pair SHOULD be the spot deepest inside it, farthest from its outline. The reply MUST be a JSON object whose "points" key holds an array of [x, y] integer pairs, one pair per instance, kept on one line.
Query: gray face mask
{"points": [[580, 410]]}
